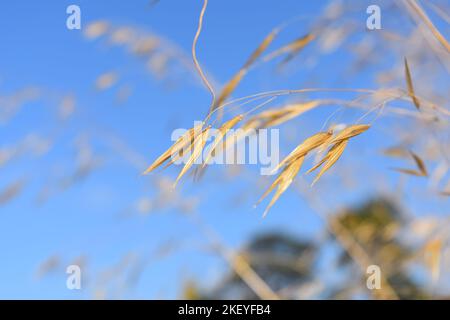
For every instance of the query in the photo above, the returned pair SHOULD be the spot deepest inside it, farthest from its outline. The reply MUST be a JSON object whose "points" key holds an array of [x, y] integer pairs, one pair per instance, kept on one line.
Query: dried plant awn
{"points": [[330, 159], [420, 163], [396, 152], [178, 146], [349, 132], [198, 145], [306, 146], [282, 182], [409, 83], [221, 134], [291, 48], [292, 112], [233, 83], [422, 170], [212, 148], [274, 117], [229, 87], [261, 48]]}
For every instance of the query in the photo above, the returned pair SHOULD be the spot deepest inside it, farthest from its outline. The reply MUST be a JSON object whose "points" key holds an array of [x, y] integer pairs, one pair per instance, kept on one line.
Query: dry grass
{"points": [[409, 83], [421, 168], [336, 144], [423, 16], [400, 89], [328, 146], [231, 85]]}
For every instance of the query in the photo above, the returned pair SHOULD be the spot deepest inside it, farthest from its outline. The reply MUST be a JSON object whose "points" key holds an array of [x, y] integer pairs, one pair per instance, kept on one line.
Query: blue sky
{"points": [[39, 51]]}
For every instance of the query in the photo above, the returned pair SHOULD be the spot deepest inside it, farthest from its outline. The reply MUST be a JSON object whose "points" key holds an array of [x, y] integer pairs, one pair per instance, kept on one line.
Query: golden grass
{"points": [[334, 144], [330, 159], [283, 181], [221, 134], [409, 83], [291, 49], [278, 116], [421, 170], [423, 16], [198, 145], [175, 149], [306, 146], [295, 159], [231, 85]]}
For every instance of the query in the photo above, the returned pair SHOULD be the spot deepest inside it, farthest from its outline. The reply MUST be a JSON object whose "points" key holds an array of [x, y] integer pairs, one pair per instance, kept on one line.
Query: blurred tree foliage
{"points": [[287, 264], [280, 260], [375, 227]]}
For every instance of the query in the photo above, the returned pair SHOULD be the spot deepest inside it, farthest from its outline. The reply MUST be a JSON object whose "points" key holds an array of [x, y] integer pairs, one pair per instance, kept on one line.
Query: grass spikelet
{"points": [[306, 146], [395, 152], [229, 88], [219, 138], [292, 112], [420, 163], [198, 145], [176, 148], [409, 83], [422, 170], [349, 132], [178, 155], [261, 48], [270, 189], [339, 143], [423, 16], [282, 182], [291, 48], [410, 172], [274, 117], [165, 156], [233, 83], [333, 155], [317, 165]]}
